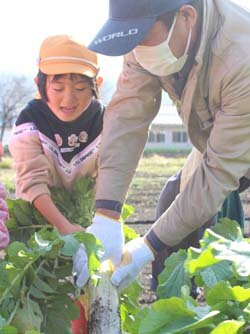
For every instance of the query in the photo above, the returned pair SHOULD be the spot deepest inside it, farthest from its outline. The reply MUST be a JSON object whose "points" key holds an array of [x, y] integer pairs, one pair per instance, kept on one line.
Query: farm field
{"points": [[151, 175]]}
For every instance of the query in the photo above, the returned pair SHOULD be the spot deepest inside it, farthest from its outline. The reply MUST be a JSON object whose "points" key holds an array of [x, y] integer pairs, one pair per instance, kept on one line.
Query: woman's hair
{"points": [[168, 18], [42, 78]]}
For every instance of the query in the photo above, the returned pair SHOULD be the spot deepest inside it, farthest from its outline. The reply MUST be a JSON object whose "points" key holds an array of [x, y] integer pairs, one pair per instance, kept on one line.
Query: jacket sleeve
{"points": [[31, 165], [126, 123], [225, 160]]}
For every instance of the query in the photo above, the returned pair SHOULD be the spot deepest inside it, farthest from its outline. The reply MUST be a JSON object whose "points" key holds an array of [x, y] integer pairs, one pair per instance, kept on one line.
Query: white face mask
{"points": [[159, 59]]}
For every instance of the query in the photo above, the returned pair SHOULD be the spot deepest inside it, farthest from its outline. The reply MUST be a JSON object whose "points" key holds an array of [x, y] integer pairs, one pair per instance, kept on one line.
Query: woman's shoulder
{"points": [[30, 113], [98, 105]]}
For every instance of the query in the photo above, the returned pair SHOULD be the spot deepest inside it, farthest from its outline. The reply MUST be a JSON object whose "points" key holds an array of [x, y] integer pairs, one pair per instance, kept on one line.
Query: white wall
{"points": [[168, 142]]}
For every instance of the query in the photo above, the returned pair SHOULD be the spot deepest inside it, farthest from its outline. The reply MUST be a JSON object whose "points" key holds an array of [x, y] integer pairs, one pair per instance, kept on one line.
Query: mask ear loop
{"points": [[171, 30], [188, 42]]}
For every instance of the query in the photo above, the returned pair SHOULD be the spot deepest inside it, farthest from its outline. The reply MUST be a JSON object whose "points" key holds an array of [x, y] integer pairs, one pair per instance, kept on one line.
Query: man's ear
{"points": [[189, 13], [99, 81], [36, 80]]}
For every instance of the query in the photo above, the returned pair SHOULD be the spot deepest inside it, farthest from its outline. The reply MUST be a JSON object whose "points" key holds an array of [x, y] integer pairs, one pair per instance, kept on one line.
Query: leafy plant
{"points": [[221, 266], [77, 206], [33, 285], [37, 295], [36, 290]]}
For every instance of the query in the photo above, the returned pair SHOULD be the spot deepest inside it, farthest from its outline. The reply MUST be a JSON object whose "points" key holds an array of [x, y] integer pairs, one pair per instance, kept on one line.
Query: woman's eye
{"points": [[80, 89], [58, 89]]}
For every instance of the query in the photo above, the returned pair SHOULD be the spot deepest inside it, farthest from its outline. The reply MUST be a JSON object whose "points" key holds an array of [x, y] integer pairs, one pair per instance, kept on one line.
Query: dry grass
{"points": [[150, 177], [152, 173], [7, 173]]}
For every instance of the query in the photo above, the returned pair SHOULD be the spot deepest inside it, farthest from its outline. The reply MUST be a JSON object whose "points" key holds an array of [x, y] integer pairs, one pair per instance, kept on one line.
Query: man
{"points": [[199, 53]]}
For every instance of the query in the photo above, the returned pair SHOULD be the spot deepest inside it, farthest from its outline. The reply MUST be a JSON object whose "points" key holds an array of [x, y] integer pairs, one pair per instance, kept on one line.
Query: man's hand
{"points": [[80, 269], [110, 233], [136, 255], [4, 215]]}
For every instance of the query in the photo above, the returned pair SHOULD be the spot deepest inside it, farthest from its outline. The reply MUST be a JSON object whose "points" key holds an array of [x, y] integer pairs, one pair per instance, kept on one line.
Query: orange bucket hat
{"points": [[61, 54]]}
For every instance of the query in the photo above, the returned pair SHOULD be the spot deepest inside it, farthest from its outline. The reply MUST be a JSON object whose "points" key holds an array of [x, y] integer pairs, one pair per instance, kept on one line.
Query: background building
{"points": [[167, 131]]}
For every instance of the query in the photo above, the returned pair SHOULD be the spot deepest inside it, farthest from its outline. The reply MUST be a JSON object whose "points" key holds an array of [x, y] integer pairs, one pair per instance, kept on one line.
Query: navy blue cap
{"points": [[128, 24]]}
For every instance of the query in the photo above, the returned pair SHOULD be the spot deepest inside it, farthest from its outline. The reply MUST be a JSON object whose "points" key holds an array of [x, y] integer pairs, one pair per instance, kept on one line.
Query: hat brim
{"points": [[119, 37], [66, 68]]}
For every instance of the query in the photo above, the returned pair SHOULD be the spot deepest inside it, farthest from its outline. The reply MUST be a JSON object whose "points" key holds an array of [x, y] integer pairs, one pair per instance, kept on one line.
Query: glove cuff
{"points": [[140, 250], [150, 247], [147, 252], [102, 219]]}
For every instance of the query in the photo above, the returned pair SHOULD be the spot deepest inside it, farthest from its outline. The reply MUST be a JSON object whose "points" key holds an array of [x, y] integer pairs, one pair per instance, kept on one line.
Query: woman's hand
{"points": [[70, 228], [52, 214]]}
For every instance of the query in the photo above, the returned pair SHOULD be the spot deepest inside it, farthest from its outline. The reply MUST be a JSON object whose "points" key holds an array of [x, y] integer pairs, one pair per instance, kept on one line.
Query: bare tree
{"points": [[15, 92]]}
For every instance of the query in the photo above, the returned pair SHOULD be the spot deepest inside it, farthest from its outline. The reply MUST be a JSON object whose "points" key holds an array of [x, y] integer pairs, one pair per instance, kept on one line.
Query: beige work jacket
{"points": [[215, 108]]}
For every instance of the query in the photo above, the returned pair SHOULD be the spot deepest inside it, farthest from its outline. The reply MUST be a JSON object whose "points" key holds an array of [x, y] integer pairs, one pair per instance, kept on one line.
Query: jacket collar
{"points": [[196, 91], [210, 26]]}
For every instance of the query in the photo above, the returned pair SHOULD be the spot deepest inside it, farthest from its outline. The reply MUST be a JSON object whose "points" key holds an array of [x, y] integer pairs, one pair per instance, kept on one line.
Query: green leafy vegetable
{"points": [[221, 266], [35, 275], [174, 276]]}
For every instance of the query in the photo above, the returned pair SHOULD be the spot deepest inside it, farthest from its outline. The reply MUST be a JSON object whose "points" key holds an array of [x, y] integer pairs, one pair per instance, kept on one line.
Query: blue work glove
{"points": [[110, 233], [80, 269], [136, 255]]}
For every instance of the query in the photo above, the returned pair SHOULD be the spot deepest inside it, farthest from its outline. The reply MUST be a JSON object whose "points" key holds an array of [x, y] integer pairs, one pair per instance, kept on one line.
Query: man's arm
{"points": [[126, 123], [225, 161]]}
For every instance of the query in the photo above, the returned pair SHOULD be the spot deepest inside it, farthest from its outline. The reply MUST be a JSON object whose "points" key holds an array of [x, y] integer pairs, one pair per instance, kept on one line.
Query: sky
{"points": [[24, 24]]}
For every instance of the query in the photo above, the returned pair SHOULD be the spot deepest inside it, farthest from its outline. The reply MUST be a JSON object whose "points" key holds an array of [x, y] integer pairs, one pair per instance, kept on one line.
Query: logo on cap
{"points": [[119, 34]]}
